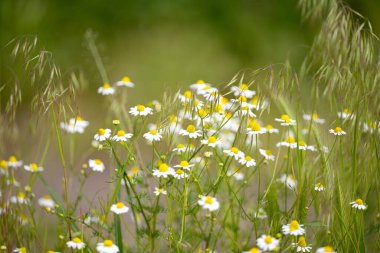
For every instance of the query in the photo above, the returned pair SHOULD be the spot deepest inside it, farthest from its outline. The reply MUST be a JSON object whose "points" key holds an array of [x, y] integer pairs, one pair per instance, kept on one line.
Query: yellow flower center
{"points": [[101, 131], [187, 94], [268, 239], [126, 79], [224, 101], [3, 164], [153, 132], [285, 117], [119, 205], [179, 172], [255, 100], [244, 86], [294, 225], [255, 126], [196, 103], [302, 242], [234, 150], [315, 116], [211, 139], [328, 249], [107, 243], [242, 99], [359, 201], [140, 108], [319, 185], [180, 146], [190, 129], [200, 82], [301, 143], [164, 168], [77, 240], [184, 164], [244, 108], [134, 170], [34, 167], [289, 139], [47, 197], [22, 250], [338, 130], [98, 162], [202, 113], [248, 158], [347, 111], [269, 127], [106, 86], [79, 118], [120, 133], [229, 115], [173, 118], [51, 251], [12, 159], [254, 250], [268, 152], [208, 200], [207, 87]]}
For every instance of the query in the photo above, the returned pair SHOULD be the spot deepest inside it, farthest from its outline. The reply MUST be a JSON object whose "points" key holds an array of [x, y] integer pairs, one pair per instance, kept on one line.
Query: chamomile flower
{"points": [[186, 97], [314, 117], [346, 114], [326, 249], [371, 127], [301, 245], [180, 148], [106, 89], [119, 208], [293, 228], [211, 141], [179, 174], [153, 135], [200, 84], [190, 131], [270, 129], [236, 173], [253, 250], [33, 167], [255, 128], [140, 110], [260, 214], [245, 110], [96, 165], [103, 134], [319, 187], [248, 161], [20, 250], [288, 180], [76, 243], [121, 135], [285, 120], [107, 246], [184, 165], [13, 162], [163, 171], [126, 82], [234, 152], [46, 202], [337, 131], [208, 202], [303, 146], [3, 167], [243, 90], [267, 243], [289, 142], [159, 191], [206, 90], [358, 204], [267, 154]]}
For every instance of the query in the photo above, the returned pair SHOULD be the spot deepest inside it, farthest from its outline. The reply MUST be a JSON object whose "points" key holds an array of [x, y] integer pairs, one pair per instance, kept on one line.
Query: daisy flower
{"points": [[46, 202], [236, 173], [96, 165], [326, 249], [206, 90], [158, 191], [337, 131], [270, 129], [200, 84], [288, 180], [33, 167], [267, 154], [13, 162], [163, 171], [140, 110], [243, 90], [289, 142], [253, 250], [235, 152], [314, 117], [106, 89], [267, 243], [301, 245], [180, 148], [245, 110], [293, 228], [186, 97], [76, 243], [3, 167], [211, 141], [121, 136], [358, 204], [20, 250], [346, 114], [248, 161], [184, 165], [153, 135], [319, 187], [107, 246], [103, 134], [126, 82], [179, 174], [255, 128], [190, 131], [286, 120], [260, 214], [119, 208], [208, 202], [303, 146]]}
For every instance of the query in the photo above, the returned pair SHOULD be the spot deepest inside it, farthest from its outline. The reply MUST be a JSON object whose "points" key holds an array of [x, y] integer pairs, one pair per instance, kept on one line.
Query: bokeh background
{"points": [[161, 43]]}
